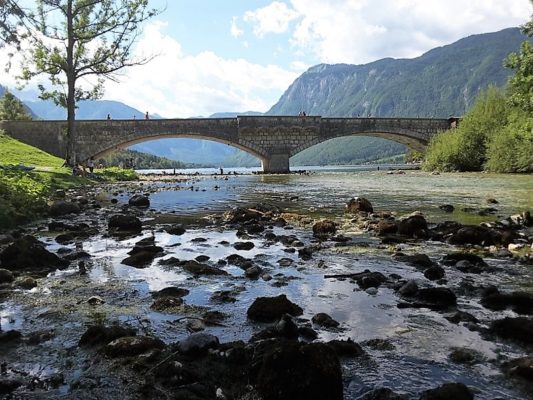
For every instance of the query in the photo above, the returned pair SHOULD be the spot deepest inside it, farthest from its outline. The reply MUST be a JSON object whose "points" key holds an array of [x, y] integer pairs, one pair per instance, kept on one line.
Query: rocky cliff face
{"points": [[441, 82]]}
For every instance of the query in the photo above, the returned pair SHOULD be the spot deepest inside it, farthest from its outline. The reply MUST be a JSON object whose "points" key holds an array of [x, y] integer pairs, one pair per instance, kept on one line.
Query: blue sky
{"points": [[236, 55]]}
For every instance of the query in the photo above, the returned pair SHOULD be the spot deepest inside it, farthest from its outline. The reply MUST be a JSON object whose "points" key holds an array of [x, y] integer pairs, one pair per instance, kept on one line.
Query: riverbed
{"points": [[418, 340]]}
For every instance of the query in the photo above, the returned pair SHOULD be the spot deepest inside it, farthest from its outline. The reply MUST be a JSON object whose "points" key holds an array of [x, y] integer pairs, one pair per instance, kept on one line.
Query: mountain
{"points": [[439, 83], [87, 110]]}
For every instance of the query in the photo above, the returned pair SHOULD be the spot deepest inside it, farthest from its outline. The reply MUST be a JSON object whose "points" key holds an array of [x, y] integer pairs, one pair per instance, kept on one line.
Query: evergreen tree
{"points": [[11, 108]]}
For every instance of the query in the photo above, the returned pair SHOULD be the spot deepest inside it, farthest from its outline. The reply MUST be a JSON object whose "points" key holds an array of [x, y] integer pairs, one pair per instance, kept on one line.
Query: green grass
{"points": [[24, 195], [14, 152]]}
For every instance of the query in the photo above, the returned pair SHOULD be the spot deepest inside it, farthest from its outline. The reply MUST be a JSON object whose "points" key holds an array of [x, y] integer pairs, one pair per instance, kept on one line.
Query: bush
{"points": [[511, 150]]}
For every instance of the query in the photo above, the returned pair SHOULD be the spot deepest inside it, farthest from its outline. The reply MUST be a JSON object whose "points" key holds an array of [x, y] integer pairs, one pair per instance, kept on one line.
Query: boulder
{"points": [[139, 200], [270, 309], [519, 329], [358, 204], [97, 335], [346, 348], [171, 291], [448, 391], [519, 302], [61, 207], [6, 276], [124, 223], [434, 273], [413, 226], [325, 320], [29, 254], [324, 228], [520, 368], [241, 214], [177, 229], [253, 272], [473, 234], [410, 288], [290, 370], [197, 344], [196, 268], [140, 259], [386, 227], [243, 246], [129, 346], [417, 260]]}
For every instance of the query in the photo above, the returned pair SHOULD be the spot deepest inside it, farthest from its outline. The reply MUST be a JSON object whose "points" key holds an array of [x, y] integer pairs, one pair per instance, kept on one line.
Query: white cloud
{"points": [[360, 31], [180, 85], [234, 29], [274, 18]]}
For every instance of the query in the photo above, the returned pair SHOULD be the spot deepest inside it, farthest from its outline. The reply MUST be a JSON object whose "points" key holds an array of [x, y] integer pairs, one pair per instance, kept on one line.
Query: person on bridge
{"points": [[108, 117], [146, 116]]}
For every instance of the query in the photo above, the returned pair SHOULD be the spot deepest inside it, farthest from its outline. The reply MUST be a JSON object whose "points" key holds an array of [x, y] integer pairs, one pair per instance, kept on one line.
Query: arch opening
{"points": [[355, 148], [190, 149]]}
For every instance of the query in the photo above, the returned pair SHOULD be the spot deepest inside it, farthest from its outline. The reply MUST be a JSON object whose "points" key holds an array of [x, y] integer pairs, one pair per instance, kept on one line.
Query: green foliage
{"points": [[12, 108], [492, 136], [141, 160], [511, 150], [22, 196], [521, 83], [115, 174]]}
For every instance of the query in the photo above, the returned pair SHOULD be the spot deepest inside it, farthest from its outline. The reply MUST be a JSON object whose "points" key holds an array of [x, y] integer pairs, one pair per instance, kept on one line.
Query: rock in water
{"points": [[448, 391], [289, 370], [358, 204], [124, 223], [139, 201], [62, 207], [29, 254], [270, 309]]}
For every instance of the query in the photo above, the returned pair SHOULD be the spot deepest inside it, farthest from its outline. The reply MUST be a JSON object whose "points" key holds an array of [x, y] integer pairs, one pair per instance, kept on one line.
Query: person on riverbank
{"points": [[90, 164]]}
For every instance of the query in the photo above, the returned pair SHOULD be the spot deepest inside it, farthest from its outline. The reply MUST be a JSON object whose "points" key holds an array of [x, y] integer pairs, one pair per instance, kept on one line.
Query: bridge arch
{"points": [[119, 146]]}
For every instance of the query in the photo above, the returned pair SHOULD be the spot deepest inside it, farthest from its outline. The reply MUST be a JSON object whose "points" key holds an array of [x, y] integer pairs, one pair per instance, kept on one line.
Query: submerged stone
{"points": [[269, 309]]}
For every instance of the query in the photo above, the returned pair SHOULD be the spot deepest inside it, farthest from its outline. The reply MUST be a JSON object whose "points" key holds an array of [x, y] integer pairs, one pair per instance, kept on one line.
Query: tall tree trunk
{"points": [[71, 90]]}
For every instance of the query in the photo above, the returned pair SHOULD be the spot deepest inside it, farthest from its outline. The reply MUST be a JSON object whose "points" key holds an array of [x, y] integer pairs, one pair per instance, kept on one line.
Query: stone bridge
{"points": [[273, 139]]}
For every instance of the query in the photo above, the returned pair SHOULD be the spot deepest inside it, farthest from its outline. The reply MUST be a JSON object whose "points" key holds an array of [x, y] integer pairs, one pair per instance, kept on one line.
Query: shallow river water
{"points": [[422, 339]]}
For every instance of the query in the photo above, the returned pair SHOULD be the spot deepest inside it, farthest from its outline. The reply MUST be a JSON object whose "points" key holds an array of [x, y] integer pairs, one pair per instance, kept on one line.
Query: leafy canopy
{"points": [[12, 108]]}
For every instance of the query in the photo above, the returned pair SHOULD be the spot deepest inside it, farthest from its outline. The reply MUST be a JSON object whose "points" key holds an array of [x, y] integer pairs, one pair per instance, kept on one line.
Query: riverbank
{"points": [[220, 300], [29, 177]]}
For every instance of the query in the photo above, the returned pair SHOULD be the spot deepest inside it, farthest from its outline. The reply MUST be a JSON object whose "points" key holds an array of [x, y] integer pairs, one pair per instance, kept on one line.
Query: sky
{"points": [[241, 55]]}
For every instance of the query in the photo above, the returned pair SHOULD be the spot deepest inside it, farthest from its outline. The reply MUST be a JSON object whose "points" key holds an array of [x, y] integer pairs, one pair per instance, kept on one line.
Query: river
{"points": [[421, 340]]}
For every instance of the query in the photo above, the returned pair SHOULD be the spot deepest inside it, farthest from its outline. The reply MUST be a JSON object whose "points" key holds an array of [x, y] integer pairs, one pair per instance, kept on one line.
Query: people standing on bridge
{"points": [[221, 171], [108, 117], [146, 116]]}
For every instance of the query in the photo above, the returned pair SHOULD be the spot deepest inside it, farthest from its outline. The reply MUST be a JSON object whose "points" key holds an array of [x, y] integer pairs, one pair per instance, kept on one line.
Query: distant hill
{"points": [[87, 110], [441, 82]]}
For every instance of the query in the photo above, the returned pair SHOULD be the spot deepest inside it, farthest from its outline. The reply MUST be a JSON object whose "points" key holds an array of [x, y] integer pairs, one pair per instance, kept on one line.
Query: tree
{"points": [[85, 40], [12, 108], [11, 16], [521, 83]]}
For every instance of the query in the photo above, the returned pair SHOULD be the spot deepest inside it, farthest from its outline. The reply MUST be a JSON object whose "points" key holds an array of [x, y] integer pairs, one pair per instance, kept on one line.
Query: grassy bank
{"points": [[24, 193]]}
